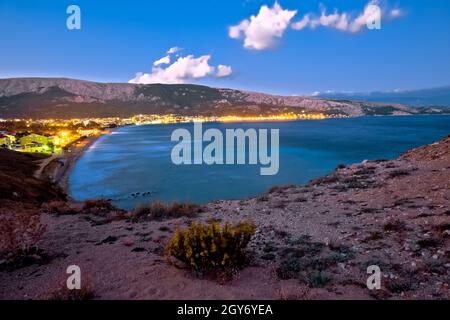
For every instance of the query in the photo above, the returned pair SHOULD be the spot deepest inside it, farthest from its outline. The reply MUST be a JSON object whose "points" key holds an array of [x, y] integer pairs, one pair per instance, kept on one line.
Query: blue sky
{"points": [[120, 38]]}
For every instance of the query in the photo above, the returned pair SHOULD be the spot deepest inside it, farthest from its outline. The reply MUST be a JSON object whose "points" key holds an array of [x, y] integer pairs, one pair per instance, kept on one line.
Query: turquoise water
{"points": [[133, 164]]}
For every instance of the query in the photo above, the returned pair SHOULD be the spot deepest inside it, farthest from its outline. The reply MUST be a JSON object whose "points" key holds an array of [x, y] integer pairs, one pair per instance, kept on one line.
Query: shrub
{"points": [[400, 285], [429, 243], [206, 248], [20, 231], [62, 293], [318, 279], [331, 178], [394, 225], [158, 211], [364, 171], [281, 189], [102, 211], [98, 205], [59, 208], [398, 173], [262, 198]]}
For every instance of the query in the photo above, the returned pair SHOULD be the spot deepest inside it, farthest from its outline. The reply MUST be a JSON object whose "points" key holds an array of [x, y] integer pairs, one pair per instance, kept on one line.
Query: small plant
{"points": [[394, 225], [61, 292], [262, 198], [400, 285], [159, 211], [373, 236], [281, 189], [99, 205], [20, 232], [59, 208], [318, 279], [364, 171], [429, 242], [398, 173], [331, 178], [205, 248]]}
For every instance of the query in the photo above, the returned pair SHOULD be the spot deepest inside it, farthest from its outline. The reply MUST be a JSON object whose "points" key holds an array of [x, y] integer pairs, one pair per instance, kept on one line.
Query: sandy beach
{"points": [[58, 168]]}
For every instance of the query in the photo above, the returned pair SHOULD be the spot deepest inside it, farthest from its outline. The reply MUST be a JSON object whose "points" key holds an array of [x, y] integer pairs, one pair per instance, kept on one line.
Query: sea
{"points": [[132, 166]]}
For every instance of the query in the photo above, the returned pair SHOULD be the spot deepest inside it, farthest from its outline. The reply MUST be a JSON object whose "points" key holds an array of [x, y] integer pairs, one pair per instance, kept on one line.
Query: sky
{"points": [[289, 47]]}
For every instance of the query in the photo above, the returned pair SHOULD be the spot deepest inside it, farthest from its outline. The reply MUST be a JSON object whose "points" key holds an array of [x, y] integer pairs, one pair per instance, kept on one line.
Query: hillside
{"points": [[68, 98], [419, 98], [18, 186]]}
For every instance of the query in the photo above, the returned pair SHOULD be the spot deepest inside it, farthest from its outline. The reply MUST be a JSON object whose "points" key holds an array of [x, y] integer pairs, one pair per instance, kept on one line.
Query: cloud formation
{"points": [[183, 69], [346, 21], [163, 60], [261, 31], [223, 71], [173, 50], [396, 13]]}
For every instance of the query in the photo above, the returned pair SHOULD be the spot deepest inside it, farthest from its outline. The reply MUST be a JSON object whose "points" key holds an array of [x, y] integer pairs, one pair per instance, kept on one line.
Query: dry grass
{"points": [[398, 173], [281, 189], [98, 204], [160, 211], [59, 208], [61, 292], [20, 231]]}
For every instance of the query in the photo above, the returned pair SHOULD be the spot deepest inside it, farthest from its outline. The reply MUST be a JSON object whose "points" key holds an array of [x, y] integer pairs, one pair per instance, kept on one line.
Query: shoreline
{"points": [[58, 170], [61, 177], [60, 174]]}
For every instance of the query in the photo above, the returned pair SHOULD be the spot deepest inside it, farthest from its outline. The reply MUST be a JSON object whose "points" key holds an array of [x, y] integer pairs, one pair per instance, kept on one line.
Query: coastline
{"points": [[58, 170]]}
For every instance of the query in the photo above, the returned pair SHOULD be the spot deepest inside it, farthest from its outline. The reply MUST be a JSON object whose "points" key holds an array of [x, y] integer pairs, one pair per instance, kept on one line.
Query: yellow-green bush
{"points": [[211, 247]]}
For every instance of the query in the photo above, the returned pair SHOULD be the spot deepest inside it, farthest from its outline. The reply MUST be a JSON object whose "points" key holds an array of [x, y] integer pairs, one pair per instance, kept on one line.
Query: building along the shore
{"points": [[36, 143], [7, 140], [34, 138]]}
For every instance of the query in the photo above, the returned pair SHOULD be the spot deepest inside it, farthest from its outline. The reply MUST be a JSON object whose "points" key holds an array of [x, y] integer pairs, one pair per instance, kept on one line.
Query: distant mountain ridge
{"points": [[71, 98], [439, 97]]}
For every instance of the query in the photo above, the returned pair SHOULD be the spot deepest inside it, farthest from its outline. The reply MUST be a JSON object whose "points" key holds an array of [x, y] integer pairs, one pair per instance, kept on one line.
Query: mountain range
{"points": [[71, 98], [420, 98]]}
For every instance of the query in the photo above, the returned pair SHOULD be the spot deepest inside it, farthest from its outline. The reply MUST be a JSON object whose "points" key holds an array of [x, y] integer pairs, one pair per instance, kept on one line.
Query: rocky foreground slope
{"points": [[312, 242], [70, 98]]}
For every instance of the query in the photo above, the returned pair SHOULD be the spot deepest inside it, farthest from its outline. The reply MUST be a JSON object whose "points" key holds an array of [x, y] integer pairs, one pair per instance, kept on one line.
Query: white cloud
{"points": [[370, 13], [223, 71], [173, 50], [299, 25], [163, 60], [183, 69], [346, 21], [261, 31], [395, 13]]}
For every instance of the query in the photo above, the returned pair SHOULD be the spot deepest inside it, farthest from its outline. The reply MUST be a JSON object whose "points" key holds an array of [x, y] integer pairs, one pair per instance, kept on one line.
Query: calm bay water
{"points": [[136, 159]]}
